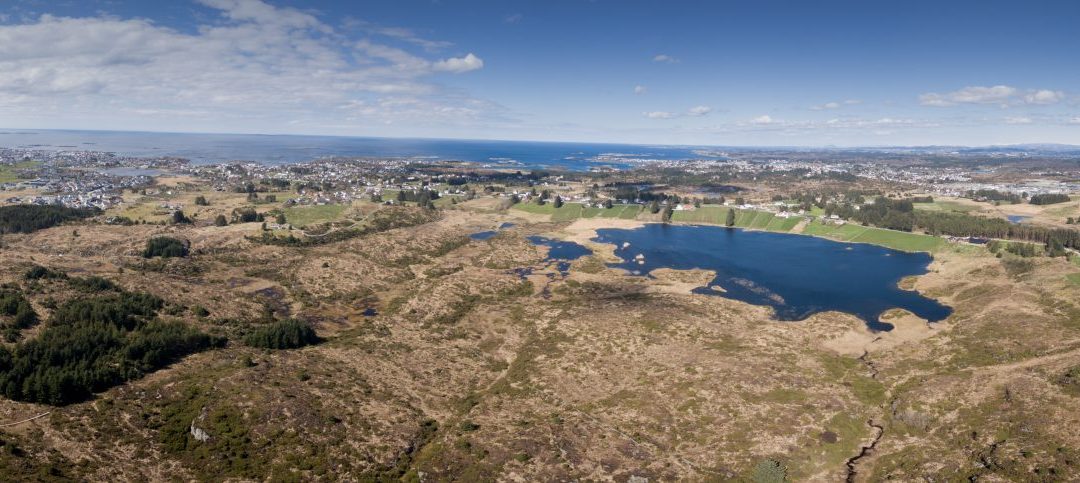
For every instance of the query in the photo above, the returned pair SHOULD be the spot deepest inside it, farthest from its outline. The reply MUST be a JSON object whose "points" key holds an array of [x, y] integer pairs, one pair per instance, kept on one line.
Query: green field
{"points": [[573, 211], [717, 215], [301, 216], [1074, 278], [953, 206], [8, 171], [545, 209], [754, 220], [909, 242]]}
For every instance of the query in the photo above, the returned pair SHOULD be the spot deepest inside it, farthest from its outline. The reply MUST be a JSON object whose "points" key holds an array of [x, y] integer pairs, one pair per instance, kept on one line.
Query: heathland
{"points": [[252, 337]]}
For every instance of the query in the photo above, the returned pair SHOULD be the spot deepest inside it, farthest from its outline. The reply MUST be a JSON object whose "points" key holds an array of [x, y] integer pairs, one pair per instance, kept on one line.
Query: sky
{"points": [[725, 73]]}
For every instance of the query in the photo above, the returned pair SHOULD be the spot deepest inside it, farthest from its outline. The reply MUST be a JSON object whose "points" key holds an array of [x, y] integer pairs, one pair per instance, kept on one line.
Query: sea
{"points": [[283, 149]]}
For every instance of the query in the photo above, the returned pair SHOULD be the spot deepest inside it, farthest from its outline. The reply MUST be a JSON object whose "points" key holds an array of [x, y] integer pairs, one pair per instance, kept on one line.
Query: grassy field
{"points": [[301, 216], [945, 205], [754, 220], [717, 215], [573, 211], [1074, 278], [910, 242], [8, 171]]}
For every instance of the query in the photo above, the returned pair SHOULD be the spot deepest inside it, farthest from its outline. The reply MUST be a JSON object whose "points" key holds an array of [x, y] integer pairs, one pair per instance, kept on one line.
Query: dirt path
{"points": [[16, 423]]}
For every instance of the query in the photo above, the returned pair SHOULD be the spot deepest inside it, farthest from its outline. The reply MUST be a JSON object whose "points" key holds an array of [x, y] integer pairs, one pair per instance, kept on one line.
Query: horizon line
{"points": [[469, 139]]}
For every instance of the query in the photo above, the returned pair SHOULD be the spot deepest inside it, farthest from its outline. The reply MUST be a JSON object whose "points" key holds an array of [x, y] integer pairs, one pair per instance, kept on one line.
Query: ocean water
{"points": [[214, 148], [796, 275]]}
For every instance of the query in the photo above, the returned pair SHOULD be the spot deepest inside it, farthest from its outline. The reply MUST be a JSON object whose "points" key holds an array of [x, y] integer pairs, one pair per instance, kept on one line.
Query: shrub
{"points": [[283, 334], [179, 218], [165, 247], [38, 272], [14, 305], [769, 471], [93, 284]]}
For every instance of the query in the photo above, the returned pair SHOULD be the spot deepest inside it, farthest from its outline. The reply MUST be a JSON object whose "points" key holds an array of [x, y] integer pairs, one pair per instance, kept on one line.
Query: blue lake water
{"points": [[214, 148], [1015, 219], [489, 234], [560, 251], [132, 171], [796, 275]]}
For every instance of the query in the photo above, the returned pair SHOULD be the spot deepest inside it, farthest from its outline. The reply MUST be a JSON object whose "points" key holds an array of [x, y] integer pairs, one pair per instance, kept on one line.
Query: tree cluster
{"points": [[30, 218], [283, 334], [1049, 199], [994, 195], [92, 344], [17, 313], [165, 247], [246, 215]]}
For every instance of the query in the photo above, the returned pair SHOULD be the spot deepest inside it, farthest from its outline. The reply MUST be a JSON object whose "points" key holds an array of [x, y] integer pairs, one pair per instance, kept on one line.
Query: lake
{"points": [[560, 251], [796, 275]]}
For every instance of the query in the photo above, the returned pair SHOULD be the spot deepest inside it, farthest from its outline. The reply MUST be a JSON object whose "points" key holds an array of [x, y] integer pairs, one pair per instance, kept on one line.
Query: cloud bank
{"points": [[1000, 95], [268, 66]]}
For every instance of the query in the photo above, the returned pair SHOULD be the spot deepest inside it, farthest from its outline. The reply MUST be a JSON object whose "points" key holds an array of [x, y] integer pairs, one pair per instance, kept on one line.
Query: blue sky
{"points": [[675, 72]]}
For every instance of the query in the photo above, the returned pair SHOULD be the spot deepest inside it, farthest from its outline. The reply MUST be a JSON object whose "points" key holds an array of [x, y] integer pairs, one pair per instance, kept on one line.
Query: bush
{"points": [[38, 272], [283, 334], [769, 471], [93, 284], [165, 247], [179, 218], [14, 305]]}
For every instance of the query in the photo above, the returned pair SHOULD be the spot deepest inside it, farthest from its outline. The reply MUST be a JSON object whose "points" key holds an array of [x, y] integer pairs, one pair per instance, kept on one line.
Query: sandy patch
{"points": [[907, 328], [680, 281]]}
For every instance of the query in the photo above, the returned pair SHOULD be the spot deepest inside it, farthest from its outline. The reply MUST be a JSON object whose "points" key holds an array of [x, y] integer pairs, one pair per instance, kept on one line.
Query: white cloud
{"points": [[459, 65], [766, 123], [664, 58], [1075, 120], [513, 18], [835, 105], [640, 89], [698, 111], [1001, 95], [1018, 120], [1044, 96], [255, 62], [659, 115], [969, 95]]}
